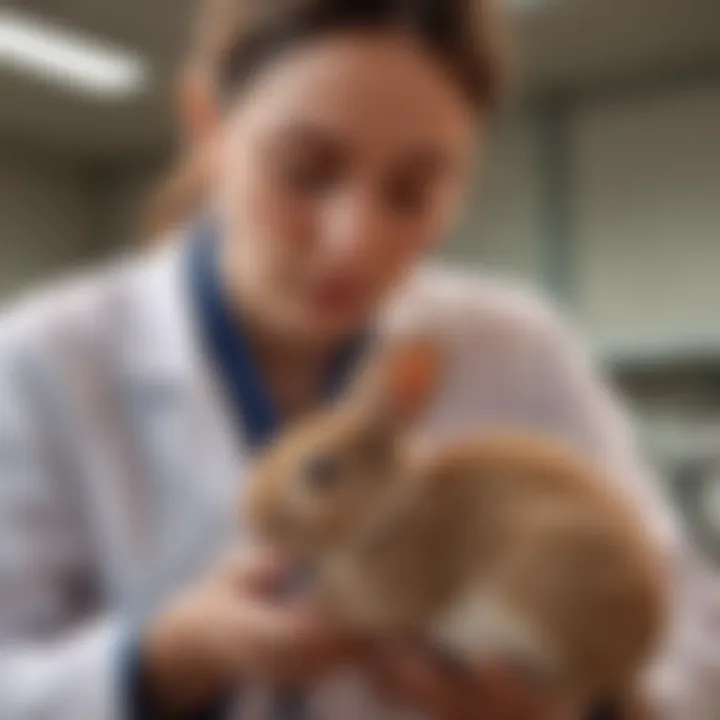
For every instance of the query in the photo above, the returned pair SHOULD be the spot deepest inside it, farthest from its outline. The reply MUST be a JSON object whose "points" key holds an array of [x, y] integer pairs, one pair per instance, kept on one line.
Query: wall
{"points": [[56, 212], [125, 189], [47, 215], [647, 221], [618, 210], [501, 229]]}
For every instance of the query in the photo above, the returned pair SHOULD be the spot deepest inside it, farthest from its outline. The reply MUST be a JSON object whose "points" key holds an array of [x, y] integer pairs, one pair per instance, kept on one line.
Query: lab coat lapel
{"points": [[195, 459]]}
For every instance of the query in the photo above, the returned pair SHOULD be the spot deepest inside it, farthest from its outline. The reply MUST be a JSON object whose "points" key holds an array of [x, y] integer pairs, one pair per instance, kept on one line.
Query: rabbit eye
{"points": [[322, 472]]}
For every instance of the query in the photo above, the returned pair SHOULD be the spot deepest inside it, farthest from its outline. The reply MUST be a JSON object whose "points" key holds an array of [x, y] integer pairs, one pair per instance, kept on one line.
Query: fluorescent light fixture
{"points": [[59, 55]]}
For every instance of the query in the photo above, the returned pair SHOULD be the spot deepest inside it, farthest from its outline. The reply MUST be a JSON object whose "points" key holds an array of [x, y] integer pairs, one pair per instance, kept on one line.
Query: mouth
{"points": [[336, 296]]}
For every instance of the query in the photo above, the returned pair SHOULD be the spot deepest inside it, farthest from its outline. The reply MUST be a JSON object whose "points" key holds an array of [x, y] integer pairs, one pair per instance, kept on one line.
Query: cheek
{"points": [[282, 222], [272, 228]]}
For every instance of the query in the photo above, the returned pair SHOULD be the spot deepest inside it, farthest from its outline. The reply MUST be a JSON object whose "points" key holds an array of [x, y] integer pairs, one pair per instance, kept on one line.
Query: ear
{"points": [[412, 376], [198, 105], [400, 380]]}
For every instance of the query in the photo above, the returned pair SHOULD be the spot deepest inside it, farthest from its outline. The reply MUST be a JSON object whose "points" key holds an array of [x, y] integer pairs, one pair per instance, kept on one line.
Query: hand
{"points": [[233, 626], [417, 680]]}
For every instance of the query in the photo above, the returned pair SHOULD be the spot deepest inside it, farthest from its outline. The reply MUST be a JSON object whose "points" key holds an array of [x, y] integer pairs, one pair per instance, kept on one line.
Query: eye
{"points": [[311, 175], [322, 472], [375, 452], [308, 159], [412, 188], [408, 196]]}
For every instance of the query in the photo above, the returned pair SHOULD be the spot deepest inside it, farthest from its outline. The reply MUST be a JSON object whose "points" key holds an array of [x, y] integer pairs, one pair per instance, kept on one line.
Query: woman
{"points": [[336, 137]]}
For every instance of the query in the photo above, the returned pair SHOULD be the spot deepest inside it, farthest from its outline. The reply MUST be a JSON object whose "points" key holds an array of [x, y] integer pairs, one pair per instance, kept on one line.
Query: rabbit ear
{"points": [[401, 380], [413, 372]]}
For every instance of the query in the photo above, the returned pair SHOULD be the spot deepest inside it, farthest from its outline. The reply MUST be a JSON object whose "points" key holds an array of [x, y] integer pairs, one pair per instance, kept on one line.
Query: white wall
{"points": [[501, 226], [644, 211], [647, 221]]}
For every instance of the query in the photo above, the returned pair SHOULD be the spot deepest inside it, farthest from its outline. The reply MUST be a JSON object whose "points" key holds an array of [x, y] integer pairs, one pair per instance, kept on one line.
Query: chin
{"points": [[338, 328], [328, 325]]}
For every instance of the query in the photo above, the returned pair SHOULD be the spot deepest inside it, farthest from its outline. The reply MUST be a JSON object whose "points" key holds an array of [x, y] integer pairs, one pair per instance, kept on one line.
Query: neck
{"points": [[293, 365], [294, 369]]}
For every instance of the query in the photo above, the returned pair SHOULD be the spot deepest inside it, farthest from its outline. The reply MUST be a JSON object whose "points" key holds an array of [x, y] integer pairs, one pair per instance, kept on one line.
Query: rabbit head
{"points": [[318, 487]]}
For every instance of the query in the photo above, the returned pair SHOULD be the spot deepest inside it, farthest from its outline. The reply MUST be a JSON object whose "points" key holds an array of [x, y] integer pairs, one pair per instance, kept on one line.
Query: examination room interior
{"points": [[601, 186]]}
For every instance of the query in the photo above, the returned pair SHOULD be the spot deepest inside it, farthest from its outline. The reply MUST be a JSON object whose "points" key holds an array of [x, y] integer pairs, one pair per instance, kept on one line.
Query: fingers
{"points": [[417, 680], [232, 625], [267, 614], [497, 688], [257, 570], [509, 696], [288, 641], [414, 679]]}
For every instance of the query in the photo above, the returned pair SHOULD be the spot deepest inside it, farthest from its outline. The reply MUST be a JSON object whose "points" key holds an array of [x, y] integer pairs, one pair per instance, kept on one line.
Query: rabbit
{"points": [[499, 545]]}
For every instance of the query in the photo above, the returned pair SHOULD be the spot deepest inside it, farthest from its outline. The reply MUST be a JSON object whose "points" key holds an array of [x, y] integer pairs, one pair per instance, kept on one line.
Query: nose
{"points": [[352, 226]]}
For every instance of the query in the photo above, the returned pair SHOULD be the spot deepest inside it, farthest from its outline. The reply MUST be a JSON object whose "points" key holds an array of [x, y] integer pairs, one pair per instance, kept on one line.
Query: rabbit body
{"points": [[510, 546], [505, 545]]}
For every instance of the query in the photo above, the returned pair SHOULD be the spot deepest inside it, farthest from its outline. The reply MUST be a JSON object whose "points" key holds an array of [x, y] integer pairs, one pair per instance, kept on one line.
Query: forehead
{"points": [[382, 90]]}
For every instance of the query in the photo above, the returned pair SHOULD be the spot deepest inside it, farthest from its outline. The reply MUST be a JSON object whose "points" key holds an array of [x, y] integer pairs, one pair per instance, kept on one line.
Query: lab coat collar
{"points": [[163, 343]]}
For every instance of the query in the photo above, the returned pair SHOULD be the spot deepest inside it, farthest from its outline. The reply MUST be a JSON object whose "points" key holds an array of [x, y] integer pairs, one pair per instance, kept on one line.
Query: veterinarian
{"points": [[335, 139]]}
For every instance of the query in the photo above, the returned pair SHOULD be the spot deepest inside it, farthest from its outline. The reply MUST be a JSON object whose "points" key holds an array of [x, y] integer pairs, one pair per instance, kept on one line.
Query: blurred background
{"points": [[601, 185]]}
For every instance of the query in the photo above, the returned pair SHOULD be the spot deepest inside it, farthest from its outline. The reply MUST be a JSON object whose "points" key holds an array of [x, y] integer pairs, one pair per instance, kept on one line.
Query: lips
{"points": [[335, 296]]}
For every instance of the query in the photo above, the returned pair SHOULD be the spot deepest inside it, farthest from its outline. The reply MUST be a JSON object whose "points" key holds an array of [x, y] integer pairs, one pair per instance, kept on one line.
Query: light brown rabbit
{"points": [[508, 545]]}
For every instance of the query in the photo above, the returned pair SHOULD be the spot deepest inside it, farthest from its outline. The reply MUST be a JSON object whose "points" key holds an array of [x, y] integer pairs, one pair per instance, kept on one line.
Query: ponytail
{"points": [[177, 198]]}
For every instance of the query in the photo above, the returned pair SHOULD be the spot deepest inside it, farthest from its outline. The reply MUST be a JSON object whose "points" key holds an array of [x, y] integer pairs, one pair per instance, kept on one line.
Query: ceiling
{"points": [[560, 43]]}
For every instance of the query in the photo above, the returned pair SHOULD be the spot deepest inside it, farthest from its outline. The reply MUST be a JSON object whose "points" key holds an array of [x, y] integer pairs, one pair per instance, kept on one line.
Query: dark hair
{"points": [[234, 37]]}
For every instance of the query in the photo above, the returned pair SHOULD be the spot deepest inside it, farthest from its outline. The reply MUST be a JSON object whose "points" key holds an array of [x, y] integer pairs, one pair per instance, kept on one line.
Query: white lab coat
{"points": [[120, 470]]}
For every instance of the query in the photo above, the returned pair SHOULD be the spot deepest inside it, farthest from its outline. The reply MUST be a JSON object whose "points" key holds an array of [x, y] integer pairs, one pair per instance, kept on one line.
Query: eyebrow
{"points": [[303, 132], [430, 161]]}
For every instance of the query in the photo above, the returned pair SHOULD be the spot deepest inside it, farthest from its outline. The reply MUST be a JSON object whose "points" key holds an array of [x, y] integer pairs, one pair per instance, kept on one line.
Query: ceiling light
{"points": [[67, 57]]}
